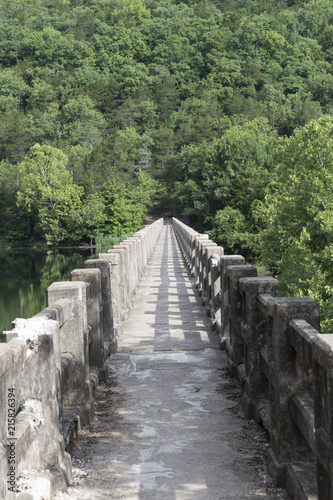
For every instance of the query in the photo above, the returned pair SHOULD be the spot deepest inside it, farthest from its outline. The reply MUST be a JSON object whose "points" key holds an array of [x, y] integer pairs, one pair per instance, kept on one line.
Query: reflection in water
{"points": [[26, 274]]}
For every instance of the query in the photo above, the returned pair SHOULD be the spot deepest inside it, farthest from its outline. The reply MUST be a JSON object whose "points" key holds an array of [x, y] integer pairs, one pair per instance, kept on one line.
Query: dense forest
{"points": [[218, 110]]}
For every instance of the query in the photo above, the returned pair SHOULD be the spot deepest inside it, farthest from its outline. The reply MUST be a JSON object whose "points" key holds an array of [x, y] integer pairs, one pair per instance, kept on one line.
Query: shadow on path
{"points": [[169, 425]]}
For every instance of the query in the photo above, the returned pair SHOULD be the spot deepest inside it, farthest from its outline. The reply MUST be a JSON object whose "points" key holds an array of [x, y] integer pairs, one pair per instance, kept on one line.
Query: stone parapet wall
{"points": [[284, 363], [51, 364], [127, 262]]}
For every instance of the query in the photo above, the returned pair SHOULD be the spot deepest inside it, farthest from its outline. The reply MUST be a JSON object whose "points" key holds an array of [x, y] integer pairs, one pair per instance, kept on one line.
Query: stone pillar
{"points": [[12, 358], [116, 294], [31, 369], [322, 348], [198, 239], [127, 276], [74, 339], [137, 262], [212, 275], [201, 267], [193, 237], [215, 300], [94, 312], [107, 319], [143, 254], [207, 251], [225, 262], [137, 265], [287, 445], [119, 282], [236, 346], [254, 334], [59, 312]]}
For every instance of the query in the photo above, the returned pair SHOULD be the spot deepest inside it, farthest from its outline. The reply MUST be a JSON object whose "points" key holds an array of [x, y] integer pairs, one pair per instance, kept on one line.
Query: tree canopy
{"points": [[218, 111]]}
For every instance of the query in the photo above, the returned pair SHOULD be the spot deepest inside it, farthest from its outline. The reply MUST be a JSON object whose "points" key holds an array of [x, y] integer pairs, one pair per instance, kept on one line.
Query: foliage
{"points": [[304, 186], [169, 104], [230, 230], [298, 240], [103, 240], [226, 180], [126, 206], [47, 192]]}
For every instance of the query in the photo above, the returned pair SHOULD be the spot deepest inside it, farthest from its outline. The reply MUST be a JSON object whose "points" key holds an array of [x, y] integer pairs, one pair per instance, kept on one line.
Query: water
{"points": [[25, 275]]}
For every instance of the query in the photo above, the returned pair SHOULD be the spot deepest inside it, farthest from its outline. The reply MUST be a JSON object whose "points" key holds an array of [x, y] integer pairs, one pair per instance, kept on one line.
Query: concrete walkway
{"points": [[168, 421]]}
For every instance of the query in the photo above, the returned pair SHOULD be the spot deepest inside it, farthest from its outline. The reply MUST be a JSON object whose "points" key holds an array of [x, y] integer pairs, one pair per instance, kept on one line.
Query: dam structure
{"points": [[180, 373]]}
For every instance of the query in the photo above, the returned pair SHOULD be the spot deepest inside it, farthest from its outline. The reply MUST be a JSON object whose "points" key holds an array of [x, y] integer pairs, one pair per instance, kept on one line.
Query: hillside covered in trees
{"points": [[219, 110]]}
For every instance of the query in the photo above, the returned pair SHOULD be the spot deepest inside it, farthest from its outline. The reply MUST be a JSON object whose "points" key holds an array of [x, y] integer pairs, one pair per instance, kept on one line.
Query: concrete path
{"points": [[168, 423]]}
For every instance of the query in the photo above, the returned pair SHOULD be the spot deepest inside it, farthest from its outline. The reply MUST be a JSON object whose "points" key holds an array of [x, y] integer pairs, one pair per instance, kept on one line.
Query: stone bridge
{"points": [[162, 322]]}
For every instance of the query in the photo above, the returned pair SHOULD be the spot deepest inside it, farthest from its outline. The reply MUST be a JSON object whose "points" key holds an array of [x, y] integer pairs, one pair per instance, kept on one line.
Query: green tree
{"points": [[82, 123], [124, 212], [87, 220], [231, 231], [47, 192], [44, 125], [126, 148], [14, 142], [13, 90], [132, 13], [10, 225], [303, 187], [41, 95], [297, 244]]}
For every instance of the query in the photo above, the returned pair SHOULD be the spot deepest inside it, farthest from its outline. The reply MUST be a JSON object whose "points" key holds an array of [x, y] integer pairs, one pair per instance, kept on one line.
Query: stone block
{"points": [[254, 334], [198, 239], [234, 274], [113, 256], [287, 445], [5, 359], [94, 312], [201, 263], [104, 266], [215, 302], [283, 310], [73, 338], [59, 311], [127, 273], [301, 336], [322, 348], [119, 282], [208, 270], [225, 262], [301, 409]]}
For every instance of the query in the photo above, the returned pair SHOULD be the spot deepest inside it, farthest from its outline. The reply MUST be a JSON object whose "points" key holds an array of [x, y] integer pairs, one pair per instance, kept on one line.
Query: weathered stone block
{"points": [[59, 311], [254, 335], [104, 266], [215, 301], [73, 338], [94, 307], [207, 276], [198, 240], [287, 445], [225, 262], [322, 346], [202, 264], [236, 351]]}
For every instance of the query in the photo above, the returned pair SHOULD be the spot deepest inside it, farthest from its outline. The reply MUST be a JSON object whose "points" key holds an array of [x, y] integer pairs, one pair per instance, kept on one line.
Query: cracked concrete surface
{"points": [[168, 424]]}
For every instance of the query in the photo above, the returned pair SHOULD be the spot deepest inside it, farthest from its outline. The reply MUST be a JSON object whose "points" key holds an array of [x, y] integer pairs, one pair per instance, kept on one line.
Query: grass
{"points": [[104, 240]]}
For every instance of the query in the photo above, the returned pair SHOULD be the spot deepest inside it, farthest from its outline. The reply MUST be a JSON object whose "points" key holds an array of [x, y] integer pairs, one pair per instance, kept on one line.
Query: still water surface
{"points": [[25, 275]]}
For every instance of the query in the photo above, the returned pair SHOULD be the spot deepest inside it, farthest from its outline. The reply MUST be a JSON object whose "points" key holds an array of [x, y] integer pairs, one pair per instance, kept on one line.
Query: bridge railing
{"points": [[52, 363], [284, 363]]}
